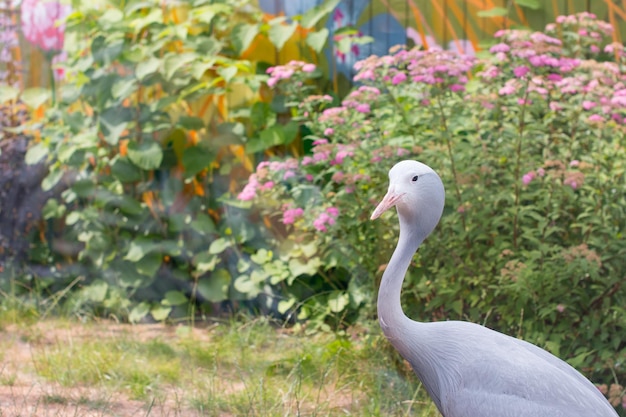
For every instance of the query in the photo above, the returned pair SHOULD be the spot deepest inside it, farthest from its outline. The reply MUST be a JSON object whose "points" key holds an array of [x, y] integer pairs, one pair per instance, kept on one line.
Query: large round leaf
{"points": [[146, 155]]}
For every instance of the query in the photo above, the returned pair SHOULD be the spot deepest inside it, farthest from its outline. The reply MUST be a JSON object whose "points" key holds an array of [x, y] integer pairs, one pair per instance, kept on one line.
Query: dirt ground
{"points": [[24, 393]]}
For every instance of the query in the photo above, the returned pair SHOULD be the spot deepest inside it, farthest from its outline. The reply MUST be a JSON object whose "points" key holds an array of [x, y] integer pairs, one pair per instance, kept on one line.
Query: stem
{"points": [[518, 166], [52, 83], [457, 190]]}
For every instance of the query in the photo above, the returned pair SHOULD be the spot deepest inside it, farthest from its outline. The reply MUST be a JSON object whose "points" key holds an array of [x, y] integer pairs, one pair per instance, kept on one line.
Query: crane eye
{"points": [[415, 178]]}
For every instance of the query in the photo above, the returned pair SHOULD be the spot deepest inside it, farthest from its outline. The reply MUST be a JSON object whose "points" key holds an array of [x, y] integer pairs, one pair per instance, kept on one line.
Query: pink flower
{"points": [[560, 308], [528, 177], [574, 163], [595, 118], [308, 67], [588, 105], [521, 71], [249, 191], [555, 106], [541, 172], [59, 71], [507, 90], [363, 108], [272, 81], [288, 174], [309, 177], [457, 87], [268, 185], [329, 131], [398, 78], [290, 215], [333, 211], [501, 47], [40, 23], [320, 222]]}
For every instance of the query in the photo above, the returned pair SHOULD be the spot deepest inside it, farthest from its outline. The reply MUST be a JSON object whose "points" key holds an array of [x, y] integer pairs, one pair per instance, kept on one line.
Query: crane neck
{"points": [[390, 314]]}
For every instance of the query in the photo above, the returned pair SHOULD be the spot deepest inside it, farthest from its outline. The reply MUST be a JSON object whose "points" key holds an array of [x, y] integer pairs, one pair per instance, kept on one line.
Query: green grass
{"points": [[243, 368]]}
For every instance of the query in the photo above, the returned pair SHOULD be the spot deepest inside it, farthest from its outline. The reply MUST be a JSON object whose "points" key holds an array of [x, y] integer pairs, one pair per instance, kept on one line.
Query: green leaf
{"points": [[280, 33], [160, 312], [227, 72], [315, 14], [174, 62], [494, 12], [139, 248], [205, 262], [35, 153], [124, 171], [110, 17], [174, 298], [272, 136], [72, 218], [149, 264], [51, 179], [123, 88], [146, 68], [317, 40], [531, 4], [140, 311], [195, 159], [53, 210], [285, 305], [146, 155], [190, 123], [242, 36], [113, 122], [8, 93], [338, 301], [262, 256], [309, 267], [219, 245], [215, 287], [206, 14], [261, 115], [244, 285], [35, 96], [203, 224], [97, 291], [154, 16]]}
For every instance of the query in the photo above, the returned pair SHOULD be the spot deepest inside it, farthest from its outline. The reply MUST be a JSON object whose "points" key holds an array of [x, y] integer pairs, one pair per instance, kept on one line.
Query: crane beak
{"points": [[389, 200]]}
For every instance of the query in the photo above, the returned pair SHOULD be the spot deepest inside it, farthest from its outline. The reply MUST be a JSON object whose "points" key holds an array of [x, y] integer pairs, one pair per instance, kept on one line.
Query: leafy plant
{"points": [[529, 143], [159, 111]]}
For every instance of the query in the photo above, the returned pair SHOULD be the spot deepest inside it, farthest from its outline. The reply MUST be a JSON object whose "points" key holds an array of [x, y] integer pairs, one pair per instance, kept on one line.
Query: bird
{"points": [[468, 369]]}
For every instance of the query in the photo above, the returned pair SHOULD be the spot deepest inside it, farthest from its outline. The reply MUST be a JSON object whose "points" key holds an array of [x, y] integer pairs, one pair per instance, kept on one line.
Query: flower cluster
{"points": [[285, 72], [327, 218], [435, 67], [587, 33], [262, 179], [361, 99], [41, 23], [571, 175]]}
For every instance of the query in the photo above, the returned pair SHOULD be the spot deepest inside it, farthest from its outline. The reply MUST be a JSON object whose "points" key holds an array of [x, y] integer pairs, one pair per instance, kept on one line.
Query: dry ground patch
{"points": [[60, 367]]}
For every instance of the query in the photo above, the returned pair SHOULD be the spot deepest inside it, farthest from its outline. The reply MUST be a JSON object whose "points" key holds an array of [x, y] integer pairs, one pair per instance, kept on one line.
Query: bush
{"points": [[529, 141], [160, 110]]}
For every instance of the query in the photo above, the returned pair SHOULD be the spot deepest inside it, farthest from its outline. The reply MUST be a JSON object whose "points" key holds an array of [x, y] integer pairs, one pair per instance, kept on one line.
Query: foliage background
{"points": [[166, 109]]}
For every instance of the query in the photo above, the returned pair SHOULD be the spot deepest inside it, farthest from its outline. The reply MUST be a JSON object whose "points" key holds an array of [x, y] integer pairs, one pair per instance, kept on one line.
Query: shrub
{"points": [[530, 144], [160, 109]]}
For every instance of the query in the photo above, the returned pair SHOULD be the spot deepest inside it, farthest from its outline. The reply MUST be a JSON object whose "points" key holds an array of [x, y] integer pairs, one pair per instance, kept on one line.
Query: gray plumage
{"points": [[467, 369]]}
